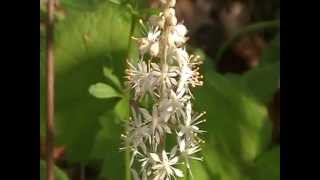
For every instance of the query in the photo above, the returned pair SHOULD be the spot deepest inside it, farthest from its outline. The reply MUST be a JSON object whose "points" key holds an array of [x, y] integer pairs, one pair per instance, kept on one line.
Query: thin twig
{"points": [[50, 90]]}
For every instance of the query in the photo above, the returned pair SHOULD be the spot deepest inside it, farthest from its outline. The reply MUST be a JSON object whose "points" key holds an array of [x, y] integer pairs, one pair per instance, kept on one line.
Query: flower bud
{"points": [[154, 49], [170, 16], [157, 21], [170, 3], [181, 29], [143, 44]]}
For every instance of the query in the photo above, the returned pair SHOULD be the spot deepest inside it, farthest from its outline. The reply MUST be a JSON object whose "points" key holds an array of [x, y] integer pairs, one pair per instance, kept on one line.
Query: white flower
{"points": [[173, 104], [154, 49], [187, 151], [158, 126], [146, 161], [181, 56], [140, 79], [189, 128], [177, 35], [146, 42], [138, 132], [189, 75], [164, 167], [166, 75], [170, 16]]}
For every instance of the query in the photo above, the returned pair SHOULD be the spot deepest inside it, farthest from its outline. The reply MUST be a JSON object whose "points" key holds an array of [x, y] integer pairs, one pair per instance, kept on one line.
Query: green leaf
{"points": [[199, 171], [58, 173], [101, 90], [263, 81], [122, 108], [238, 126], [271, 54], [118, 2], [106, 147], [268, 165], [84, 43], [108, 73]]}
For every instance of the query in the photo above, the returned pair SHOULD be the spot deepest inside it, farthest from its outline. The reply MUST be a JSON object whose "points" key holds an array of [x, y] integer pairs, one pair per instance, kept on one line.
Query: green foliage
{"points": [[239, 129], [108, 73], [268, 165], [58, 173], [101, 90], [122, 108], [84, 43], [263, 81]]}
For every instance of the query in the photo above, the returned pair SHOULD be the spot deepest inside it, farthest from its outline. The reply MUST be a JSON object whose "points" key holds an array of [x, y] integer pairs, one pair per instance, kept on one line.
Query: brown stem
{"points": [[50, 90]]}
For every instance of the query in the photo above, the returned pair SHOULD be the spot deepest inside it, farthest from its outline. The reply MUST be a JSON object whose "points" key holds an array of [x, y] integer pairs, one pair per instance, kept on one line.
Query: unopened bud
{"points": [[154, 49]]}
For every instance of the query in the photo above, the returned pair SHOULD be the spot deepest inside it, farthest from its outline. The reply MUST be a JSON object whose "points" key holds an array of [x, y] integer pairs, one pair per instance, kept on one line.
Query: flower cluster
{"points": [[165, 72]]}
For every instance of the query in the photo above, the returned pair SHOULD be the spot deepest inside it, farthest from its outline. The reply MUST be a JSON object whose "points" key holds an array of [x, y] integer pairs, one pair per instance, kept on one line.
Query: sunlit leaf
{"points": [[108, 73], [85, 42], [122, 108], [101, 90], [118, 2], [238, 126]]}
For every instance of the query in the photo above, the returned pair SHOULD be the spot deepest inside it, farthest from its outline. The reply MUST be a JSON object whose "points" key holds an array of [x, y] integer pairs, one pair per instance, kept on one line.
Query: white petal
{"points": [[178, 172], [174, 160], [164, 156], [155, 157], [154, 49], [181, 29], [182, 145]]}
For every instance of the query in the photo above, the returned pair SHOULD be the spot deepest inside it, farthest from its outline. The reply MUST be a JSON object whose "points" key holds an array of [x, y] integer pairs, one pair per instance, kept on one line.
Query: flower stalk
{"points": [[165, 72], [50, 90]]}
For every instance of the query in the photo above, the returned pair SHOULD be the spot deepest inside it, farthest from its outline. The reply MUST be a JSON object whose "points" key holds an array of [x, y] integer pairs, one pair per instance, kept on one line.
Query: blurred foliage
{"points": [[91, 48], [58, 173]]}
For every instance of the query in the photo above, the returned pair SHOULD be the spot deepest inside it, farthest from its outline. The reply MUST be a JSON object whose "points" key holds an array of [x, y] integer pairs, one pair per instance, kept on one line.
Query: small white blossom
{"points": [[177, 35], [137, 132], [170, 15], [189, 75], [181, 56], [166, 74], [187, 152], [164, 167], [189, 127], [146, 43], [173, 104], [140, 78]]}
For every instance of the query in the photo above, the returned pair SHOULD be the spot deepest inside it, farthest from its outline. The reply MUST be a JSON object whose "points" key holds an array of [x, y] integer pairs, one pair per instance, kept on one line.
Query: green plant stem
{"points": [[127, 153], [249, 29]]}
